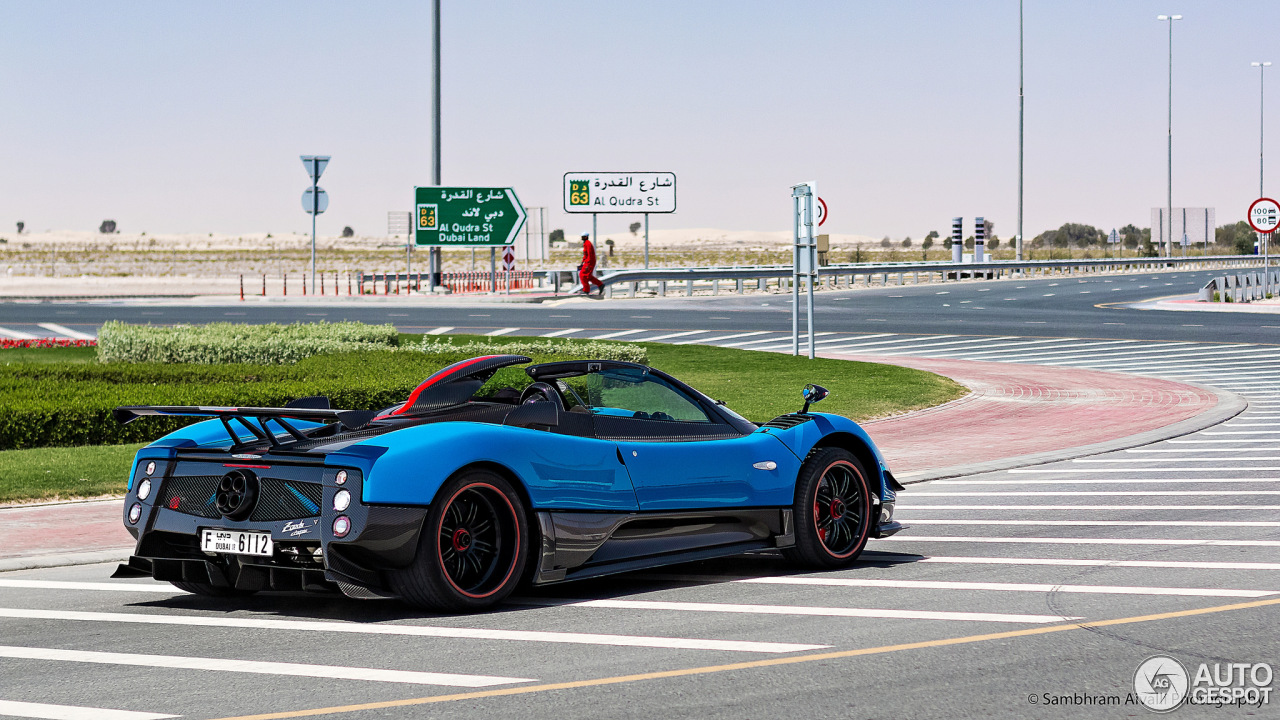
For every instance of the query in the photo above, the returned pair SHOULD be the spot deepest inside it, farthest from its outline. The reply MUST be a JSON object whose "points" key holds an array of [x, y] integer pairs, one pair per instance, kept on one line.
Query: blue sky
{"points": [[189, 117]]}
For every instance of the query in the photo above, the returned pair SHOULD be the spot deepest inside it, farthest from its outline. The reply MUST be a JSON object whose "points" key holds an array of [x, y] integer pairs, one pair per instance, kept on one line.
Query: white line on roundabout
{"points": [[408, 630], [12, 708], [335, 672], [1084, 541], [1073, 562], [803, 610], [1010, 587]]}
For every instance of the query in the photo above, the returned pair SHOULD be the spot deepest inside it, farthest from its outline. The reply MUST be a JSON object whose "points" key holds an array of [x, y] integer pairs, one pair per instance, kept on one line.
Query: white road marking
{"points": [[73, 585], [1069, 562], [409, 630], [1181, 459], [806, 610], [1014, 347], [1224, 442], [1266, 448], [1135, 470], [13, 708], [1090, 508], [1011, 587], [744, 343], [619, 333], [64, 330], [900, 340], [1042, 352], [1093, 493], [335, 672], [500, 331], [1083, 541], [567, 331], [1121, 481], [724, 337], [1240, 432], [440, 330], [668, 336], [1103, 523], [15, 334]]}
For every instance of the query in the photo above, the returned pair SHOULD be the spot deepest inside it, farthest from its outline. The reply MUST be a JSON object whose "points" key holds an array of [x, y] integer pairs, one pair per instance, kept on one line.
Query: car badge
{"points": [[247, 457]]}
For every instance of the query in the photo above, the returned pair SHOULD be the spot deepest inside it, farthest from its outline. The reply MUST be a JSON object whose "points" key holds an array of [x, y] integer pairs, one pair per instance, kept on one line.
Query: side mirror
{"points": [[812, 394]]}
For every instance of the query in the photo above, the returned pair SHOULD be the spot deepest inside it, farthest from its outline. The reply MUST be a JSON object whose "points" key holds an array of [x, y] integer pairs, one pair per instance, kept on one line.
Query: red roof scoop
{"points": [[456, 383]]}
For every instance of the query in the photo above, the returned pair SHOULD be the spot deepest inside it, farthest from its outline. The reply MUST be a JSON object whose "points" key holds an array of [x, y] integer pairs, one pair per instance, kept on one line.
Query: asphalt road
{"points": [[1050, 583], [1053, 307]]}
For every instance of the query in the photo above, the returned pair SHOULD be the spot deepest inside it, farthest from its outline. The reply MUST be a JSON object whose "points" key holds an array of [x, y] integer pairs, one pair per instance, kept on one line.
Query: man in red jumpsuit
{"points": [[587, 270]]}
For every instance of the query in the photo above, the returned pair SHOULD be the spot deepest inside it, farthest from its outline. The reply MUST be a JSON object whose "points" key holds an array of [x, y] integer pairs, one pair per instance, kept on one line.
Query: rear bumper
{"points": [[309, 557]]}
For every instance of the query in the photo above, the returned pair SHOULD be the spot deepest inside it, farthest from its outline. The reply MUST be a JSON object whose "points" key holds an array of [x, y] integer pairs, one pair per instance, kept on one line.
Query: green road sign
{"points": [[466, 216]]}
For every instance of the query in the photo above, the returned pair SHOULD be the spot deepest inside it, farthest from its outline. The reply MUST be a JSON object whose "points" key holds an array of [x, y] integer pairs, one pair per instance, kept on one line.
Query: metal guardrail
{"points": [[835, 274], [1240, 287]]}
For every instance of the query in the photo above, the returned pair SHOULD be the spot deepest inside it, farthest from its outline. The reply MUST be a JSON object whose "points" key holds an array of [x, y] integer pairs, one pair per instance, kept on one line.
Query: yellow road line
{"points": [[709, 669]]}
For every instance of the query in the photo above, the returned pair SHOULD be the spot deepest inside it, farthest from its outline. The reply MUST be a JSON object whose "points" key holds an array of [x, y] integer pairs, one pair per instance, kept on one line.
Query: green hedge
{"points": [[237, 343], [593, 349], [55, 404]]}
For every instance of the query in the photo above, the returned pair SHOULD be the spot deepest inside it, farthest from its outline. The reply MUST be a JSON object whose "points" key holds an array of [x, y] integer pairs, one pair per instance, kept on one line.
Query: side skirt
{"points": [[578, 545]]}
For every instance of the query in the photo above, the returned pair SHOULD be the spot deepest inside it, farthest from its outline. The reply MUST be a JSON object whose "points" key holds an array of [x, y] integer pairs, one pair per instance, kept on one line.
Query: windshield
{"points": [[631, 392]]}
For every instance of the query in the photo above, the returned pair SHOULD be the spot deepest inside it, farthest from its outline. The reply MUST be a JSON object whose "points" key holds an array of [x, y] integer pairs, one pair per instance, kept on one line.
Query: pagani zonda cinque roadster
{"points": [[448, 501]]}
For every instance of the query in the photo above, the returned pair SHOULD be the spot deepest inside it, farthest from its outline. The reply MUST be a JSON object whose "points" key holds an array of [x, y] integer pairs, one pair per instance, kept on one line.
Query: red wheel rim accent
{"points": [[840, 509], [454, 554]]}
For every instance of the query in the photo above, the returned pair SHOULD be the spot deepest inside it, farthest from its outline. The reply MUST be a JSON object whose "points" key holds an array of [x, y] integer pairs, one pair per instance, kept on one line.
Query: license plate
{"points": [[236, 542]]}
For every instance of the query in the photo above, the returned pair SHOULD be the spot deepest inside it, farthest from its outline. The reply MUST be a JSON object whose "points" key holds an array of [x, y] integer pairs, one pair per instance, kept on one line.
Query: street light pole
{"points": [[1021, 115], [1262, 69], [1169, 205], [435, 263], [1263, 239]]}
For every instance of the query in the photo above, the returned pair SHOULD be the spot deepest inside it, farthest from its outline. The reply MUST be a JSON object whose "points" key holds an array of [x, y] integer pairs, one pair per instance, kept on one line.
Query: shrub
{"points": [[54, 404], [593, 349], [217, 343], [45, 342]]}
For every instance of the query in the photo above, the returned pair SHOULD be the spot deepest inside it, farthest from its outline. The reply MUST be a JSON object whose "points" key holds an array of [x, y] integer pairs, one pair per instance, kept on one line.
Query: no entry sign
{"points": [[1264, 215]]}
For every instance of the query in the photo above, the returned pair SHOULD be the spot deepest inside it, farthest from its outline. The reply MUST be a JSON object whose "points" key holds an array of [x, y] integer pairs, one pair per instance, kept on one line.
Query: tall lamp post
{"points": [[1021, 113], [1263, 240], [435, 262], [1169, 237]]}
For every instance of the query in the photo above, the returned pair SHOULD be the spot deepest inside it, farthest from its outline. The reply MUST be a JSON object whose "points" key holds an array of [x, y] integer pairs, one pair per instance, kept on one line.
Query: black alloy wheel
{"points": [[473, 549], [833, 510]]}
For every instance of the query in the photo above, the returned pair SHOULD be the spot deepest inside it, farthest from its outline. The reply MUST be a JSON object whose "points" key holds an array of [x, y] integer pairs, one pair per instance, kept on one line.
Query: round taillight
{"points": [[151, 467], [341, 500], [144, 489], [341, 526], [341, 479], [135, 512]]}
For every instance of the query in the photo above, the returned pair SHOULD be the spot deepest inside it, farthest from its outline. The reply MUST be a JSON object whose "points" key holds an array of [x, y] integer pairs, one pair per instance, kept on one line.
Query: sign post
{"points": [[804, 258], [1114, 239], [467, 217], [1264, 216], [314, 201], [620, 192]]}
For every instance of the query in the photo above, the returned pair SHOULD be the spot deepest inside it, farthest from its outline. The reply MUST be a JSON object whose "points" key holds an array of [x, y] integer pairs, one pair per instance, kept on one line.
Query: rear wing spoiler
{"points": [[312, 408]]}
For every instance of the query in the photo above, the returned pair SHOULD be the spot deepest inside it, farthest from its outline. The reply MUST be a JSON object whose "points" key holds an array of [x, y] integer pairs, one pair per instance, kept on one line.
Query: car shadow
{"points": [[336, 607]]}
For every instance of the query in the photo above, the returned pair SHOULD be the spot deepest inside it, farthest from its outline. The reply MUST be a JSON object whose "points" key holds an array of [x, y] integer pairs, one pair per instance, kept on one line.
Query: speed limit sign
{"points": [[1264, 215]]}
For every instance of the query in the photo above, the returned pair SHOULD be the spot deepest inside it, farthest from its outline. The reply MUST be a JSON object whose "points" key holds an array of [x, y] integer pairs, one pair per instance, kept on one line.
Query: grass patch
{"points": [[64, 473], [48, 355], [758, 385], [764, 385]]}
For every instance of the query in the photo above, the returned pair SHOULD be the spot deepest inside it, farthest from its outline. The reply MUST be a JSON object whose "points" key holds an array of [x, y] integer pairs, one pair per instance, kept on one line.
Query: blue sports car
{"points": [[450, 501]]}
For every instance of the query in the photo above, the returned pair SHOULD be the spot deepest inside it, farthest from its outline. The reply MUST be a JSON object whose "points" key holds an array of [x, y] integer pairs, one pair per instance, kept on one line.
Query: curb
{"points": [[1228, 406], [32, 562]]}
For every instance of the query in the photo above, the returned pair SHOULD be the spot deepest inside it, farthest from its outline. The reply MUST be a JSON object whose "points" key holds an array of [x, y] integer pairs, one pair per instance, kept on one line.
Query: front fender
{"points": [[827, 429]]}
